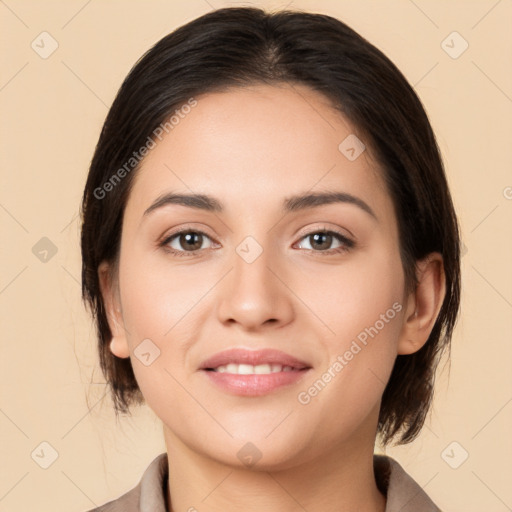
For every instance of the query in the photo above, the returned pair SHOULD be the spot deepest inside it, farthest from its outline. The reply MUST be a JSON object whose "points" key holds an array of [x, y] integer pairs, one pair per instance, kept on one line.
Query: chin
{"points": [[258, 452]]}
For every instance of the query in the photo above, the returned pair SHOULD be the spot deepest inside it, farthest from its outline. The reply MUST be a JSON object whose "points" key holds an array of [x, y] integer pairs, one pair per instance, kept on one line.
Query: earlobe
{"points": [[423, 304], [109, 291]]}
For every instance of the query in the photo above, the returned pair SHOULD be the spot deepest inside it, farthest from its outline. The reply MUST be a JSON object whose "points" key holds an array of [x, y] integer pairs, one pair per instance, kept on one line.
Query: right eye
{"points": [[185, 241]]}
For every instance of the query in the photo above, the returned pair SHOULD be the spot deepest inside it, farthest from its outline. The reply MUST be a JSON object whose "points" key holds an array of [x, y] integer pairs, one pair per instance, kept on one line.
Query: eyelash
{"points": [[348, 244]]}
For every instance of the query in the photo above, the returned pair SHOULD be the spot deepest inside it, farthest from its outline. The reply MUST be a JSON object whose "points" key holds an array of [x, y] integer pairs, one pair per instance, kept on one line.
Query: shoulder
{"points": [[403, 493], [148, 494], [128, 502]]}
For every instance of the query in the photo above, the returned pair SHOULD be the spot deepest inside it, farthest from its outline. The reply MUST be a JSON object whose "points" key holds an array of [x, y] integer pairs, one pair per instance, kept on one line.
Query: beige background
{"points": [[52, 110]]}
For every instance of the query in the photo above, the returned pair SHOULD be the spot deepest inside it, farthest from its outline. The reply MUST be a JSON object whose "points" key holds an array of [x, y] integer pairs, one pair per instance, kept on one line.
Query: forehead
{"points": [[260, 142]]}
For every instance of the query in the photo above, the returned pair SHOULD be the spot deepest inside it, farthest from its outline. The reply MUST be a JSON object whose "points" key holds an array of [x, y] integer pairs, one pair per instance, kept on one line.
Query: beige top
{"points": [[403, 493]]}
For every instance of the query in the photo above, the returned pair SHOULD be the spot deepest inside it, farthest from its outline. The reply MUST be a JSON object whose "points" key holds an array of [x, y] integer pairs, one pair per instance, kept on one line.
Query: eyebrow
{"points": [[290, 204]]}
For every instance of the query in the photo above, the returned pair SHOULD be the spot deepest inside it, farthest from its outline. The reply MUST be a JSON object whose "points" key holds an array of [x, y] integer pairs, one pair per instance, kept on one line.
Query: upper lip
{"points": [[252, 357]]}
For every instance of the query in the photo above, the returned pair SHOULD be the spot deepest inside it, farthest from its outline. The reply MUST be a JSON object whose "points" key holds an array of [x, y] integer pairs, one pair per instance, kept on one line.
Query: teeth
{"points": [[249, 369]]}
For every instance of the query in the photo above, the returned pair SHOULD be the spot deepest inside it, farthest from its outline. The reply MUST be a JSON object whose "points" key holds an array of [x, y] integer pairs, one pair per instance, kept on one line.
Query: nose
{"points": [[254, 294]]}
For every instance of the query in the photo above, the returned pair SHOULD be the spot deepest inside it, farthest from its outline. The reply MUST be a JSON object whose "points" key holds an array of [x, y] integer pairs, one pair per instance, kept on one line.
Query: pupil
{"points": [[320, 236], [192, 240]]}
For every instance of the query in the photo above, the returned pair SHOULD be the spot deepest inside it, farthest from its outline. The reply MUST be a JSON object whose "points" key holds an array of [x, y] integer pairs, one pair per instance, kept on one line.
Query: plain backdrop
{"points": [[62, 63]]}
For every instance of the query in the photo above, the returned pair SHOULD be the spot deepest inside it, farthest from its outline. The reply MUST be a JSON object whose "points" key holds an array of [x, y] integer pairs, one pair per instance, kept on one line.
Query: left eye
{"points": [[322, 241]]}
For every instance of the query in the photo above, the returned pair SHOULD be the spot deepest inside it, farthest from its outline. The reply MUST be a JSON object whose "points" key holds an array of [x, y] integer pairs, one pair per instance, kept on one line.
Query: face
{"points": [[315, 285]]}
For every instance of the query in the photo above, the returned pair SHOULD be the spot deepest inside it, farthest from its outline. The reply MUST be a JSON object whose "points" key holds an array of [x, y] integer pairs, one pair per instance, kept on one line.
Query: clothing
{"points": [[403, 493]]}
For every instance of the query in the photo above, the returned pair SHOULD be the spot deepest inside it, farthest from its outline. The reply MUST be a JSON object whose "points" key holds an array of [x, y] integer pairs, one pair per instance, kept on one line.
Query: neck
{"points": [[342, 480]]}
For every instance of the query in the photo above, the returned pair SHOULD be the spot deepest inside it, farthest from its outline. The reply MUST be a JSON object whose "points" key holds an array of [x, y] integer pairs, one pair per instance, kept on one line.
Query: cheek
{"points": [[361, 305], [160, 303], [157, 297], [351, 296]]}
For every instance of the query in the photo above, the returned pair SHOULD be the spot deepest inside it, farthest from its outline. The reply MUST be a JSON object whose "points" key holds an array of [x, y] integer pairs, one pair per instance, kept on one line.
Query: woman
{"points": [[271, 254]]}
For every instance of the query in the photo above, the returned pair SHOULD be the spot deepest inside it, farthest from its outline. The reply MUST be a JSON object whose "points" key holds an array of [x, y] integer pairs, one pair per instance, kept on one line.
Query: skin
{"points": [[251, 148]]}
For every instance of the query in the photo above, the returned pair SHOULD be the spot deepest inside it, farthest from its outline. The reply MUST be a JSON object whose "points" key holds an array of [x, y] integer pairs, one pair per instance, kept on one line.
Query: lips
{"points": [[238, 356], [253, 373]]}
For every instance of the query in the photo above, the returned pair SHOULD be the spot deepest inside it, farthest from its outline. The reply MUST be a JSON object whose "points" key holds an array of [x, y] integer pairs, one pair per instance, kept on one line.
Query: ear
{"points": [[110, 293], [423, 304]]}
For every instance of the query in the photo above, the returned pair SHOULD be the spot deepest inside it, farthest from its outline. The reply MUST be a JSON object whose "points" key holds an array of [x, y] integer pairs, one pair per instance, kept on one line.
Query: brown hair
{"points": [[233, 47]]}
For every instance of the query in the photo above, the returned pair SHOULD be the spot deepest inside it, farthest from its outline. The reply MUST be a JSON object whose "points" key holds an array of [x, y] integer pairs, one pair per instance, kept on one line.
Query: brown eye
{"points": [[186, 241], [191, 241], [322, 241]]}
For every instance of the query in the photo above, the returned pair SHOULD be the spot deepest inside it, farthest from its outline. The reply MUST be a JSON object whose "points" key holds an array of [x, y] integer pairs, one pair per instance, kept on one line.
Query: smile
{"points": [[249, 369]]}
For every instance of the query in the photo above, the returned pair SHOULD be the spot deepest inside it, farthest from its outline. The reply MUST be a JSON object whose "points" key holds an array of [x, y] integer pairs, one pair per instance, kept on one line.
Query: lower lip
{"points": [[254, 384]]}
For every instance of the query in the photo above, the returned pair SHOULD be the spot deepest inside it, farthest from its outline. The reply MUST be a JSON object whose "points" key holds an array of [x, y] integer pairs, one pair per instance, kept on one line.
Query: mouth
{"points": [[249, 369], [253, 372]]}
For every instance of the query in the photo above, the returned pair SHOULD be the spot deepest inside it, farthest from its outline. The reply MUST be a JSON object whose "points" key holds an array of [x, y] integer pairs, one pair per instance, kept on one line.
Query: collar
{"points": [[403, 494]]}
